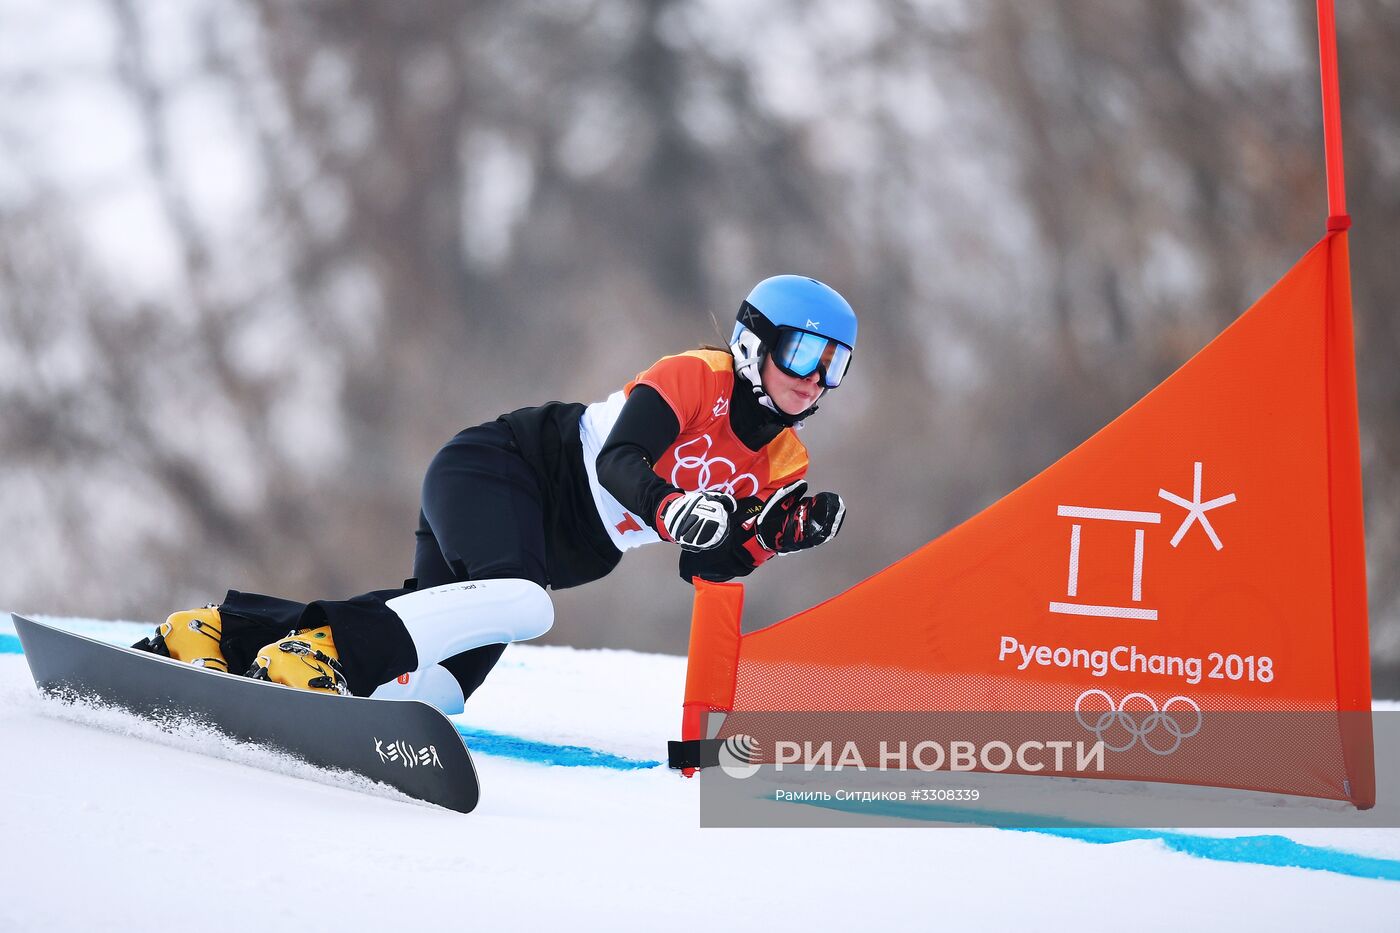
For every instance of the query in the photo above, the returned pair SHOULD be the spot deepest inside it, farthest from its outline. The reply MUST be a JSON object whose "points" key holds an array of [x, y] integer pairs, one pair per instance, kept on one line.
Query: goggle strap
{"points": [[754, 320]]}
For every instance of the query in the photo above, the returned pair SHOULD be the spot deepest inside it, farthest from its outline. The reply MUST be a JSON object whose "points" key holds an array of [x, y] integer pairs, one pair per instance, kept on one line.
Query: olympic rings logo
{"points": [[1118, 717], [705, 471]]}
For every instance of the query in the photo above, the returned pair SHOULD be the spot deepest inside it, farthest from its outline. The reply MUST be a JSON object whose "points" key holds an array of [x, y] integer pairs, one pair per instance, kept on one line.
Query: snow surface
{"points": [[108, 824]]}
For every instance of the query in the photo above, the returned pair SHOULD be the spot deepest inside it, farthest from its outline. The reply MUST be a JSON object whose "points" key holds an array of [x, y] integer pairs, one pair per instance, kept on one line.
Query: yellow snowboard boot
{"points": [[192, 636], [306, 660]]}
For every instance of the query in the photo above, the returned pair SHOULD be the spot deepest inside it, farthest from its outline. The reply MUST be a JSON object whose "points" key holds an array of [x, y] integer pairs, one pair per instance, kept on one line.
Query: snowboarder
{"points": [[700, 450]]}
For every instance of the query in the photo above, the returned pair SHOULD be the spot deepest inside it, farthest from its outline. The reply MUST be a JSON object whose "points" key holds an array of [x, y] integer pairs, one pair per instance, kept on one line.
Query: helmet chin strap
{"points": [[793, 421], [749, 354]]}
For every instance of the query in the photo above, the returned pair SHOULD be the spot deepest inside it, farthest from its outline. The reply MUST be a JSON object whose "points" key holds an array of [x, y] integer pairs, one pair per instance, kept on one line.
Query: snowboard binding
{"points": [[306, 660]]}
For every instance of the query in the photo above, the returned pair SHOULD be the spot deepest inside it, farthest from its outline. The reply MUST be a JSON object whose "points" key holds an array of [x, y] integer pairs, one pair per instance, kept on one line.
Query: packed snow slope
{"points": [[109, 824]]}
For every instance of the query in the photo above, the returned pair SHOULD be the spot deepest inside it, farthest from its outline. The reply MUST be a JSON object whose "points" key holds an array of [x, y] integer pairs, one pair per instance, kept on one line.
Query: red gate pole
{"points": [[1344, 452], [713, 658], [1337, 218]]}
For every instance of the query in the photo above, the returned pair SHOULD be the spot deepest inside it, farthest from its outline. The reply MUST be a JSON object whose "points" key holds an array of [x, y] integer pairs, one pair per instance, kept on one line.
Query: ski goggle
{"points": [[799, 353]]}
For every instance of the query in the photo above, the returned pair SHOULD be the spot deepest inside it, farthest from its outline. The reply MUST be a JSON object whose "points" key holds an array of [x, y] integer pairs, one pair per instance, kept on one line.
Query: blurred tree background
{"points": [[259, 259]]}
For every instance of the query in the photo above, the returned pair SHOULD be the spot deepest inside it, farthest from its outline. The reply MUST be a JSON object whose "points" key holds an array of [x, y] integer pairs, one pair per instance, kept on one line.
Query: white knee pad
{"points": [[433, 685], [446, 620]]}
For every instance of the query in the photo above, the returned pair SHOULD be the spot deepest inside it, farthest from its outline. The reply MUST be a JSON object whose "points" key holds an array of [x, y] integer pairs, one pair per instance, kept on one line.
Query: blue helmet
{"points": [[803, 325]]}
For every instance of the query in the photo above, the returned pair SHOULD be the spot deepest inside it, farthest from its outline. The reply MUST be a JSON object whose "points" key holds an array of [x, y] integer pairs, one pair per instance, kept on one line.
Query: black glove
{"points": [[790, 523], [697, 521]]}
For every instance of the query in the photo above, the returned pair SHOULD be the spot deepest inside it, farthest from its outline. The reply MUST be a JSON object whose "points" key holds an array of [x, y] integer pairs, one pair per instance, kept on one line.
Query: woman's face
{"points": [[792, 395]]}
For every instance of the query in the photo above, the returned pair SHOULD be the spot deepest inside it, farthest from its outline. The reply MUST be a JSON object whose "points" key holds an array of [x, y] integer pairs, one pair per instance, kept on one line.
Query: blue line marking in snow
{"points": [[9, 644], [1271, 850], [568, 756], [1279, 851]]}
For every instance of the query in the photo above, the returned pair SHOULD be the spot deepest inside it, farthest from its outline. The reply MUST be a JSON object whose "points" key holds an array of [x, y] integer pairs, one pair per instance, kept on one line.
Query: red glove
{"points": [[791, 523]]}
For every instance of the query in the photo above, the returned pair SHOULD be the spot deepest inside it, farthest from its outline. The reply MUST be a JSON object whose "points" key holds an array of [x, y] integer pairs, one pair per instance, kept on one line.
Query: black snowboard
{"points": [[403, 743]]}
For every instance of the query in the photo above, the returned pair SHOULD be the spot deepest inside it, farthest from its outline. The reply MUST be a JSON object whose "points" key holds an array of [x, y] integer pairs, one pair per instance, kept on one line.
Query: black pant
{"points": [[482, 518]]}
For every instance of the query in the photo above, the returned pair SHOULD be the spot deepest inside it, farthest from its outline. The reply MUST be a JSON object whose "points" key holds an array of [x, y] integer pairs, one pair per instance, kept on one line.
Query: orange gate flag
{"points": [[1203, 552]]}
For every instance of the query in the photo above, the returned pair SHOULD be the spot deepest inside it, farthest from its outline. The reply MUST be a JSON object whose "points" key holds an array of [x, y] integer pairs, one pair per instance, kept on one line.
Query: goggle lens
{"points": [[800, 353]]}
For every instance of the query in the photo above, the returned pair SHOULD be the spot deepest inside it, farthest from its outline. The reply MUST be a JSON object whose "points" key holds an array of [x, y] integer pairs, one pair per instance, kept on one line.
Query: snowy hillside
{"points": [[108, 824]]}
